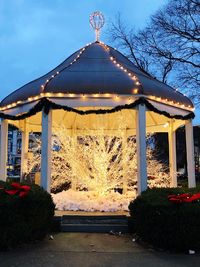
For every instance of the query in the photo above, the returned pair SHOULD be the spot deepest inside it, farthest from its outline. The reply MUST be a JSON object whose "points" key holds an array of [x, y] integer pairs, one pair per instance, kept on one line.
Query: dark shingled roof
{"points": [[95, 72]]}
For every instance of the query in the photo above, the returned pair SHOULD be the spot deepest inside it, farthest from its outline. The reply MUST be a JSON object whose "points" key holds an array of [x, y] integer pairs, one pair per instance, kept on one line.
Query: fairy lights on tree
{"points": [[98, 162]]}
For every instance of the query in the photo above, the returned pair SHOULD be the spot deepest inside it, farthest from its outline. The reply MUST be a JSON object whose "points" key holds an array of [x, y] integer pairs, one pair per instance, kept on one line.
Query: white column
{"points": [[45, 181], [4, 150], [24, 149], [124, 161], [190, 153], [74, 144], [172, 154], [141, 148]]}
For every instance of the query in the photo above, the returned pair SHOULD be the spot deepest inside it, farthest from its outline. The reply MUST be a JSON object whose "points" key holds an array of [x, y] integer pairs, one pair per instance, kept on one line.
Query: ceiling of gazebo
{"points": [[117, 123], [96, 69]]}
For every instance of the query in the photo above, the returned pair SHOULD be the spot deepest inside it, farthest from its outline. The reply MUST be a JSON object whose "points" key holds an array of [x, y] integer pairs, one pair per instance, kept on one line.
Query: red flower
{"points": [[25, 187], [16, 185], [23, 193], [12, 192], [20, 190], [187, 198]]}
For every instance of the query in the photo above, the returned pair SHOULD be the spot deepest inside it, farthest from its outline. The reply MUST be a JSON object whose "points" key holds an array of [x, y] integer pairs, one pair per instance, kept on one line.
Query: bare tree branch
{"points": [[168, 47]]}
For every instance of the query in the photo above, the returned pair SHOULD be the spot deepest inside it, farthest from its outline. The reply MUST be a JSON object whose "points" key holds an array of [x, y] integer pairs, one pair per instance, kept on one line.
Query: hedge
{"points": [[165, 224], [26, 214]]}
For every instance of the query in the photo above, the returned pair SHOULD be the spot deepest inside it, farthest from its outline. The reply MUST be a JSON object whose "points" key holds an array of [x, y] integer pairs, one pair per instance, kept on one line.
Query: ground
{"points": [[92, 250]]}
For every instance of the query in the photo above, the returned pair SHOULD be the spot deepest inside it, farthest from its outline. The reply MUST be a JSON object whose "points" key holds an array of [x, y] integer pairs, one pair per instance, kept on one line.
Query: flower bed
{"points": [[168, 218], [25, 214]]}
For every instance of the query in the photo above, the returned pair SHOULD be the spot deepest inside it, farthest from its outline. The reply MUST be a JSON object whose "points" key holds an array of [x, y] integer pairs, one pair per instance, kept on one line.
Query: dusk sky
{"points": [[37, 35]]}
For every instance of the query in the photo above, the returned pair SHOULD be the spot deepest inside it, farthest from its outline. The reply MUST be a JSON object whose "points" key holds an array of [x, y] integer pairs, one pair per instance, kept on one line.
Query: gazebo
{"points": [[93, 87]]}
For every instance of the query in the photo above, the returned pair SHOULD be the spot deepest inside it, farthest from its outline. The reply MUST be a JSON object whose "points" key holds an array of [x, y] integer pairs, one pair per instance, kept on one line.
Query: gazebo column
{"points": [[4, 150], [172, 154], [45, 181], [74, 147], [24, 149], [124, 158], [141, 148], [190, 153]]}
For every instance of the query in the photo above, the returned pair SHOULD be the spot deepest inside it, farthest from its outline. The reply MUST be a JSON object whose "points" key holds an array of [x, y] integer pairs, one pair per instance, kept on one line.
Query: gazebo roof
{"points": [[97, 69]]}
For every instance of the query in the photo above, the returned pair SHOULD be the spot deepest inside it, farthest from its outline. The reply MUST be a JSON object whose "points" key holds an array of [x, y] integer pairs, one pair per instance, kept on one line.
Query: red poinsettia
{"points": [[18, 189], [184, 198]]}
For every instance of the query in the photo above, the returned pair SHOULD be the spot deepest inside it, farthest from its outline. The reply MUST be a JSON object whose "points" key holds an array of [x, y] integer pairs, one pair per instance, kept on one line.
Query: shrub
{"points": [[167, 225], [24, 218]]}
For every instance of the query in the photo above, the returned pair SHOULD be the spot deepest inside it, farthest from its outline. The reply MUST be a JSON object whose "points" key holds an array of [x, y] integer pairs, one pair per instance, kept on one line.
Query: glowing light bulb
{"points": [[60, 94], [47, 94], [166, 125], [107, 95]]}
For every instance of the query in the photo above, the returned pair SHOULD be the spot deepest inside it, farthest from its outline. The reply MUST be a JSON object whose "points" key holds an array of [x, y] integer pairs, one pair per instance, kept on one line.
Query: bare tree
{"points": [[168, 47]]}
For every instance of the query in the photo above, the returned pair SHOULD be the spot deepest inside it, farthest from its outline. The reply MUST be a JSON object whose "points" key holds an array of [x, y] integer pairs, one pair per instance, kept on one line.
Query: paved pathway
{"points": [[92, 250]]}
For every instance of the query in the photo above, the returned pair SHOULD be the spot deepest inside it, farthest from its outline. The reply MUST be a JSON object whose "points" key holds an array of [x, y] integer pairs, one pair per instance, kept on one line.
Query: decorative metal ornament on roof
{"points": [[97, 21]]}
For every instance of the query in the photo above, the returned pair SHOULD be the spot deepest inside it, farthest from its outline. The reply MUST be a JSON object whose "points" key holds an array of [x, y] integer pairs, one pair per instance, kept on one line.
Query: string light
{"points": [[83, 96], [47, 94], [132, 76], [166, 125], [138, 83], [106, 95], [60, 94]]}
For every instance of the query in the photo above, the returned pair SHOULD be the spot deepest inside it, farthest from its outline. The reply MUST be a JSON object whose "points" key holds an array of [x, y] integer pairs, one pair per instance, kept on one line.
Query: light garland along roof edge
{"points": [[97, 71]]}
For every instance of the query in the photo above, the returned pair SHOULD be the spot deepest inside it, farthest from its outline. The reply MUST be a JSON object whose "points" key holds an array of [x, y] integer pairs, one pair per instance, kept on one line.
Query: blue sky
{"points": [[36, 35]]}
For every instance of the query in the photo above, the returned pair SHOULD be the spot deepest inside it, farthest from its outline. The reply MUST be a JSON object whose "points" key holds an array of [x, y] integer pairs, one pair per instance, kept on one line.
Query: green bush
{"points": [[24, 219], [167, 225]]}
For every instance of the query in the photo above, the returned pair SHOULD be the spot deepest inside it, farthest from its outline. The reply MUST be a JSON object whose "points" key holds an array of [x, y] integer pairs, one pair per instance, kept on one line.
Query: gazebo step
{"points": [[91, 224], [80, 219], [94, 228]]}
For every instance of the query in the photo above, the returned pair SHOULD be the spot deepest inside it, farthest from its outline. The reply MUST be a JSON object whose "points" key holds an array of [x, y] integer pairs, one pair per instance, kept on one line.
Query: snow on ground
{"points": [[92, 201]]}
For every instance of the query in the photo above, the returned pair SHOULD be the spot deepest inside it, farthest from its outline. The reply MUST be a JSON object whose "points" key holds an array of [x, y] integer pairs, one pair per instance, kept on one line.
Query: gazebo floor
{"points": [[89, 213]]}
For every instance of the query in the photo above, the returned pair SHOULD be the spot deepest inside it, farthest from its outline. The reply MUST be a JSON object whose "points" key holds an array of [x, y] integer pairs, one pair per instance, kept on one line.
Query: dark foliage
{"points": [[164, 224], [24, 219]]}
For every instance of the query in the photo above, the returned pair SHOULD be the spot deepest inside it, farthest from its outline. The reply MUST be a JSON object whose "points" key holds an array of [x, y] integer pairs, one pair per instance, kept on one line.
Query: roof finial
{"points": [[97, 21]]}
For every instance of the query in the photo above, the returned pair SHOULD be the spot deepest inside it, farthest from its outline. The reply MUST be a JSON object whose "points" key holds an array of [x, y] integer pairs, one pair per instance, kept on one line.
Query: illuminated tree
{"points": [[97, 162]]}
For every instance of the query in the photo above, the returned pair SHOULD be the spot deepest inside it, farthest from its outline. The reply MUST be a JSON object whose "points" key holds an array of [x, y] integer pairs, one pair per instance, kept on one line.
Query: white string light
{"points": [[108, 95]]}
